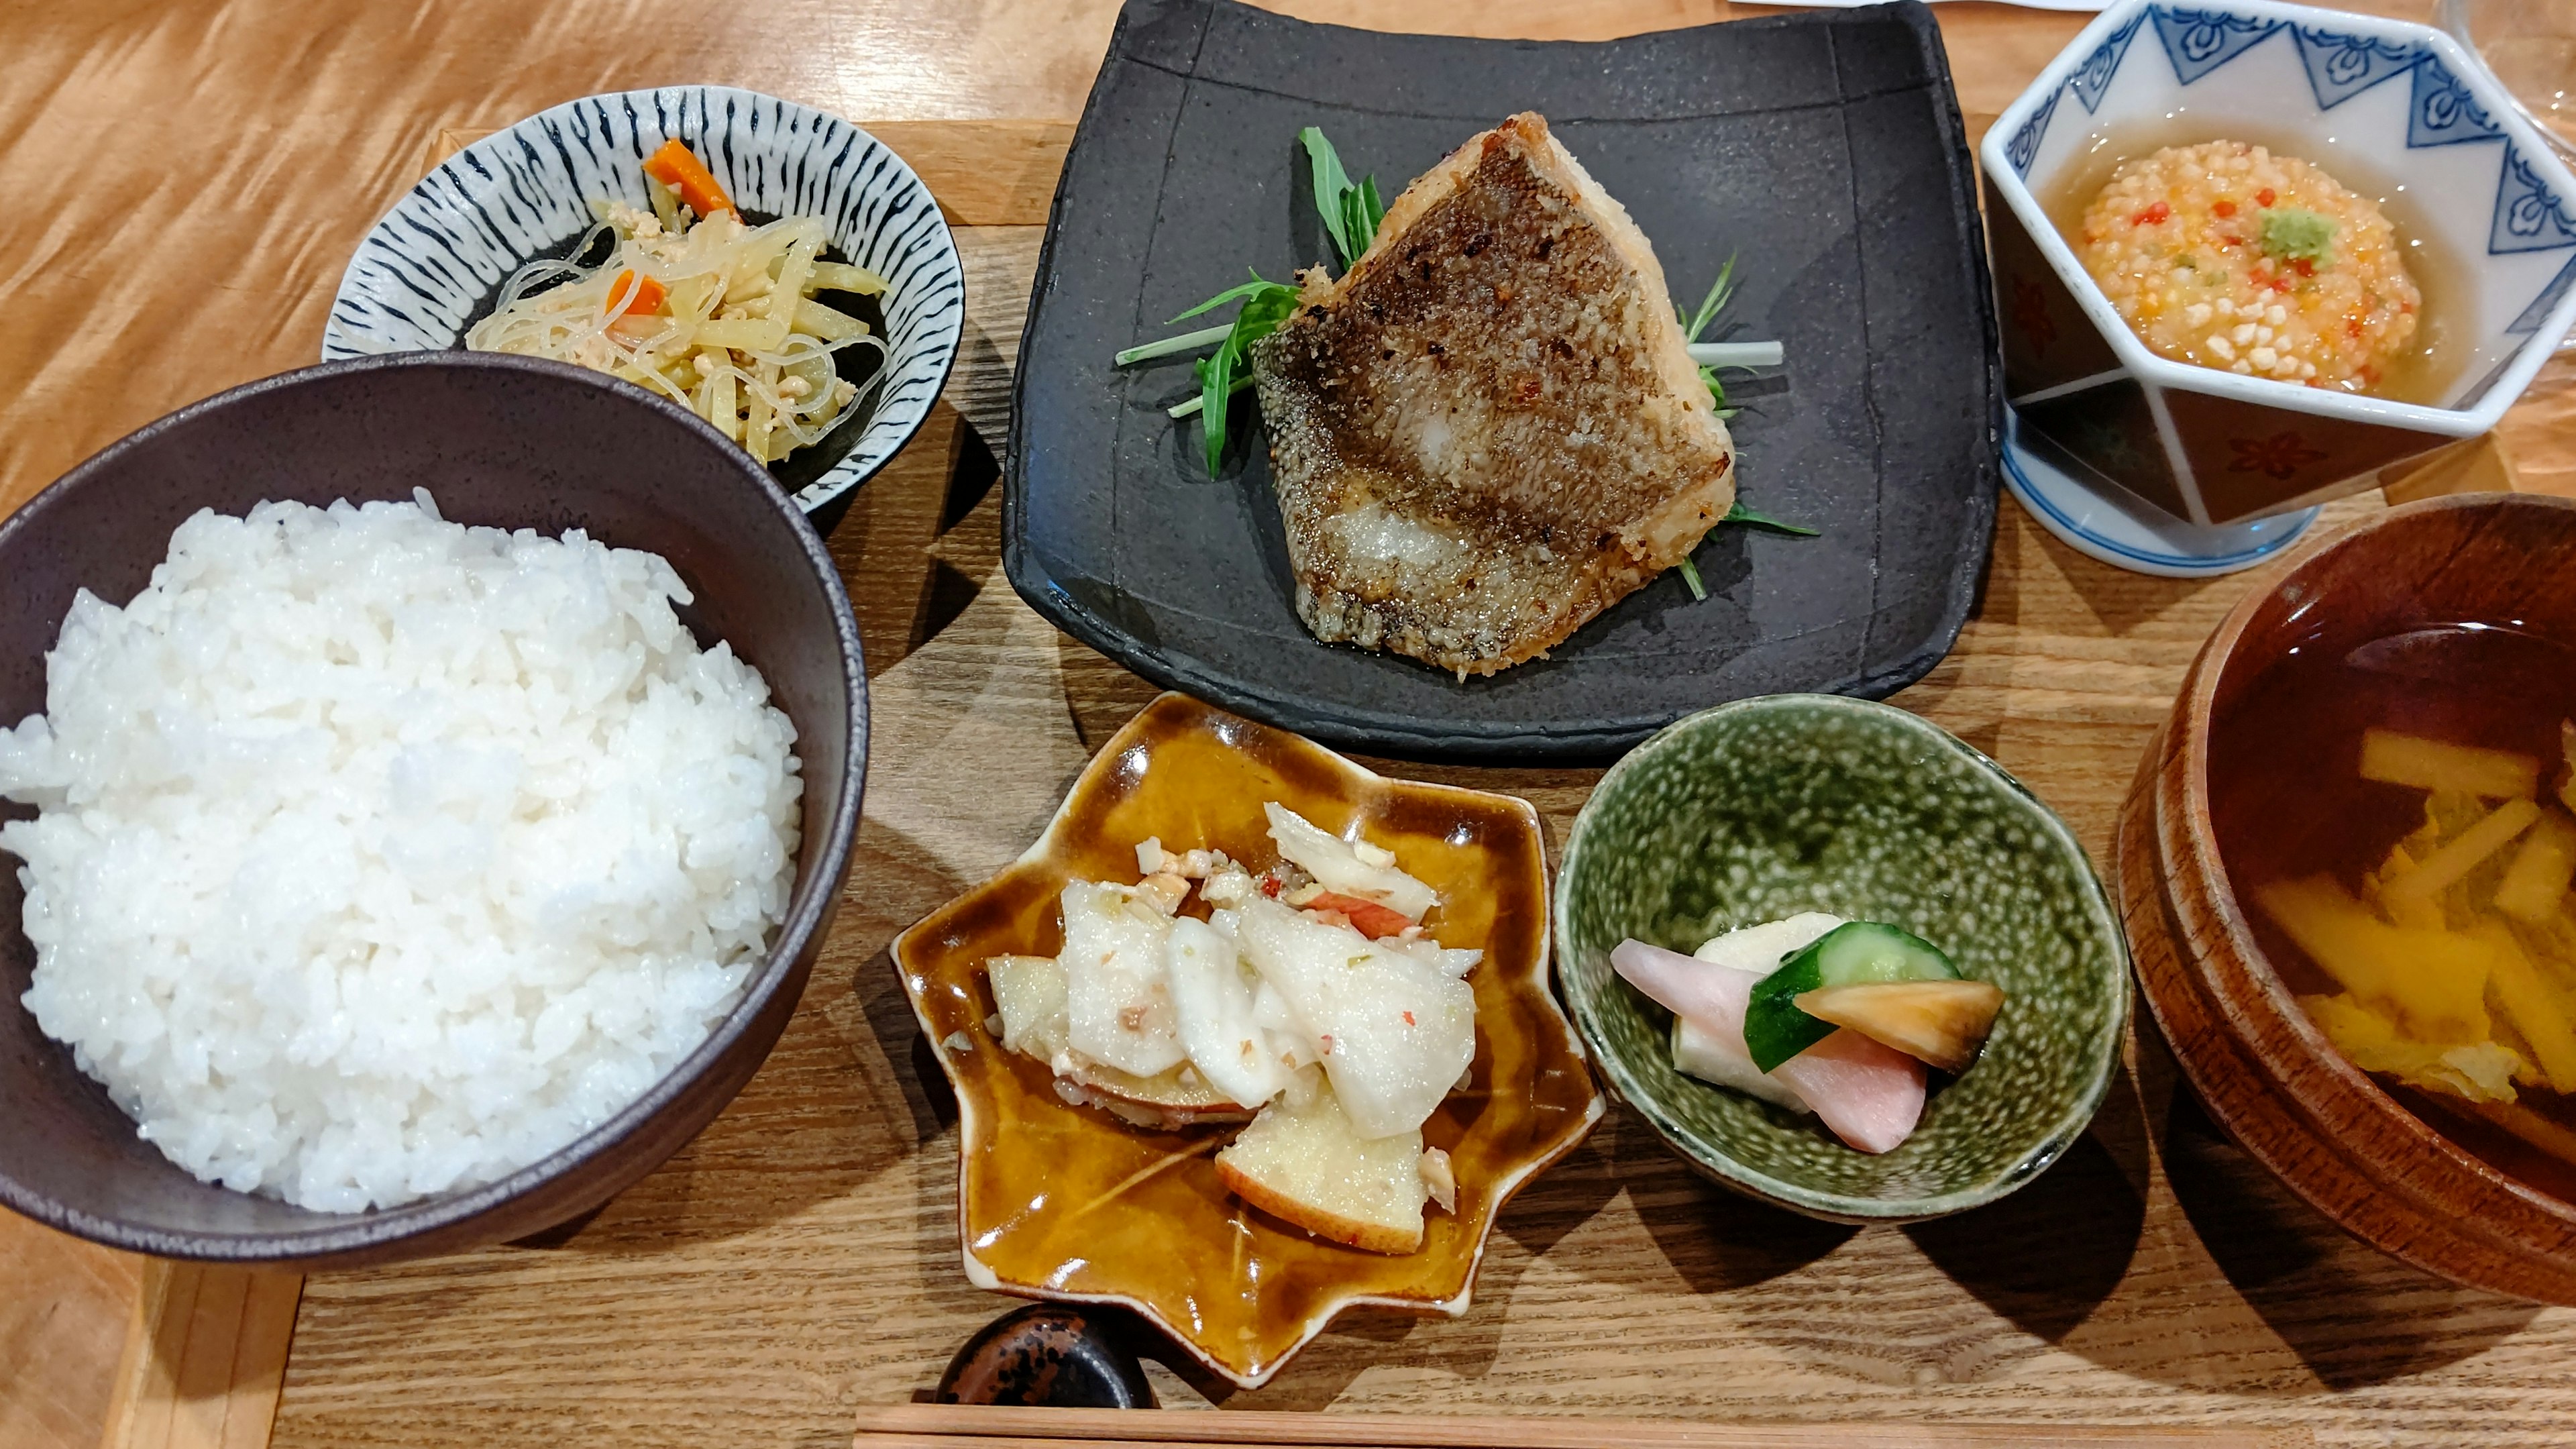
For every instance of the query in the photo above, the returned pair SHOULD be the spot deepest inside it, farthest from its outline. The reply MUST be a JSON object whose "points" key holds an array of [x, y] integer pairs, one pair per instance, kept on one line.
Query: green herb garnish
{"points": [[2296, 234], [1721, 292], [1350, 213], [1738, 513], [1265, 306]]}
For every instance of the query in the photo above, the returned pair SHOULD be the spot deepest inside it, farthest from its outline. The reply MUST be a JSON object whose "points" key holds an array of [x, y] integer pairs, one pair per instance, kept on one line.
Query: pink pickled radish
{"points": [[1870, 1095], [1686, 986], [1710, 999]]}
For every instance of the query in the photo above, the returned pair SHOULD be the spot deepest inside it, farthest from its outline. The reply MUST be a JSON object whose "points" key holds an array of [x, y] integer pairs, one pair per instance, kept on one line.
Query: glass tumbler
{"points": [[2530, 45]]}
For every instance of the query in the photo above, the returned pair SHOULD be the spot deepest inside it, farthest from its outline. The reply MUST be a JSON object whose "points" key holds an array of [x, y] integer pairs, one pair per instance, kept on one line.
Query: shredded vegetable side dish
{"points": [[698, 305]]}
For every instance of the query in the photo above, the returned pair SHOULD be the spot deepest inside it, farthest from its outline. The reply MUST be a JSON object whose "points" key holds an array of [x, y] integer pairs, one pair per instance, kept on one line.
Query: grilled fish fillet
{"points": [[1489, 430]]}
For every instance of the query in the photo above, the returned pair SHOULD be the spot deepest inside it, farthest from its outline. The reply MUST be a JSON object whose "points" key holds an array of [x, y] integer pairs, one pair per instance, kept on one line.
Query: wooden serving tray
{"points": [[972, 1426], [799, 1260]]}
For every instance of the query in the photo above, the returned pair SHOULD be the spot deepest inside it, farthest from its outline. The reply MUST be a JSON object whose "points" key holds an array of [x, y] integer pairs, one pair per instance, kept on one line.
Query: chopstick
{"points": [[992, 1426]]}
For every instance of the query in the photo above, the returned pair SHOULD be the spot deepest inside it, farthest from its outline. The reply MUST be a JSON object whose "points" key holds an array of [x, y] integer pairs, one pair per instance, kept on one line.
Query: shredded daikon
{"points": [[717, 315]]}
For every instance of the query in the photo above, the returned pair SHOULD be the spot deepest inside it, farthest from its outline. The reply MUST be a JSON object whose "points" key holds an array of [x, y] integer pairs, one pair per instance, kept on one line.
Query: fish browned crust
{"points": [[1489, 430]]}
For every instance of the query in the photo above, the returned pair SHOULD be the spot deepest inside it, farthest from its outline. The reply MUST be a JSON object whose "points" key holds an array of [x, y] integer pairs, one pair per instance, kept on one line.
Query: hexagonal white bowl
{"points": [[2395, 110]]}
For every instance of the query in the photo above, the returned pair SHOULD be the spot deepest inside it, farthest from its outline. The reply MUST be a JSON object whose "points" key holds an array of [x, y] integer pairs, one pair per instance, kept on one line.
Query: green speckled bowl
{"points": [[1808, 802]]}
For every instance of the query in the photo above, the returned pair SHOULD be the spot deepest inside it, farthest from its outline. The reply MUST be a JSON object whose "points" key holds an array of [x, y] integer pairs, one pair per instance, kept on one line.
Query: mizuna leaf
{"points": [[1720, 292], [1265, 306], [1350, 213], [1741, 514]]}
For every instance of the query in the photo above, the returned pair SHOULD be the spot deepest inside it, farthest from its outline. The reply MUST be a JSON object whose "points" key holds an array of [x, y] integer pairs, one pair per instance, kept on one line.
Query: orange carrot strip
{"points": [[646, 299], [677, 167], [1366, 917]]}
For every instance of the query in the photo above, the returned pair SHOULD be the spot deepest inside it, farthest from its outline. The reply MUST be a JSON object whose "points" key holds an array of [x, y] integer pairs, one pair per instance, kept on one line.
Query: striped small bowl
{"points": [[435, 264]]}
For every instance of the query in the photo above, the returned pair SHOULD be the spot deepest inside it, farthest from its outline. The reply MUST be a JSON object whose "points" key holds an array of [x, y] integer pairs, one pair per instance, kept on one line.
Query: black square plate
{"points": [[1823, 150]]}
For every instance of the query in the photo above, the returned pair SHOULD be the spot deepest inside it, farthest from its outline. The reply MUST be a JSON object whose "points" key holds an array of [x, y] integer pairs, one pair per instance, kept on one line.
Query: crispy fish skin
{"points": [[1488, 430]]}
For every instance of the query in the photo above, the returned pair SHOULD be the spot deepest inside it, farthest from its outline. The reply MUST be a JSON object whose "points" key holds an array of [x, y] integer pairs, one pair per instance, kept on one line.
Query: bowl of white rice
{"points": [[425, 782]]}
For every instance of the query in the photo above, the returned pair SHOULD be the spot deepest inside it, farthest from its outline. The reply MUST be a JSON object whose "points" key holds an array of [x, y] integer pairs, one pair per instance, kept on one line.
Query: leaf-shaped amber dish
{"points": [[1068, 1203]]}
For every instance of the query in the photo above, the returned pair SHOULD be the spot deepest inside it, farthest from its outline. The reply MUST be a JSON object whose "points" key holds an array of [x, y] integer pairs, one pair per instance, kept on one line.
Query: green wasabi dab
{"points": [[2296, 234]]}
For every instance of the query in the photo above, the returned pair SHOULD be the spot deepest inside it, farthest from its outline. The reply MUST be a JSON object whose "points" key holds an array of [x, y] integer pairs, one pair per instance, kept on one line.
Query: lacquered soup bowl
{"points": [[2266, 1074]]}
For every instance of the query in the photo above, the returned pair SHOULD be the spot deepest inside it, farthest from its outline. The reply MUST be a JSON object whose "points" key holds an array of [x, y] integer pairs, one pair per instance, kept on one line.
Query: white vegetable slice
{"points": [[1215, 1003], [1355, 868], [1297, 1050], [1028, 994], [1452, 960], [1118, 1000], [1702, 1053], [1395, 1031], [1760, 949]]}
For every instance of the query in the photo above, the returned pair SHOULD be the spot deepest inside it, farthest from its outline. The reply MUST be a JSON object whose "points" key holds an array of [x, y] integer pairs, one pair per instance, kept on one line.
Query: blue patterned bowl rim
{"points": [[2344, 54], [439, 251]]}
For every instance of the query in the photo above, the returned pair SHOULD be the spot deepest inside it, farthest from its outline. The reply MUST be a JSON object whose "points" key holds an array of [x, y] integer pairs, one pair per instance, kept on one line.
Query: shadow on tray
{"points": [[2353, 1315]]}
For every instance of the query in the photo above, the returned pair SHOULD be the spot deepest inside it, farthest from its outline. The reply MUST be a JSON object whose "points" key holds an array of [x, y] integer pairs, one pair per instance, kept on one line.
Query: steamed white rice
{"points": [[378, 856]]}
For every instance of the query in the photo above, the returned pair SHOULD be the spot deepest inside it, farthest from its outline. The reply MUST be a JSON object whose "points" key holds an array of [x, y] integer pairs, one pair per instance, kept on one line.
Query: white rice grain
{"points": [[378, 856]]}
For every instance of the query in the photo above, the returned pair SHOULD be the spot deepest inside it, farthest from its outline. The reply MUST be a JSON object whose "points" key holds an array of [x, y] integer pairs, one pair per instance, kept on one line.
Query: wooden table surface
{"points": [[183, 184]]}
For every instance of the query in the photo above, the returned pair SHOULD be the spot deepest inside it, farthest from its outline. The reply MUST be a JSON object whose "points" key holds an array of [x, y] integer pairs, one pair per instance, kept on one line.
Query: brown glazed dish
{"points": [[2263, 1070], [505, 441], [1067, 1203]]}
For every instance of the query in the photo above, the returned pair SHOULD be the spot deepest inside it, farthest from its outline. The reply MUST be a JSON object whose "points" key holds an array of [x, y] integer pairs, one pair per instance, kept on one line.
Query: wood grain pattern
{"points": [[984, 173], [1645, 1434], [986, 1426], [63, 1310], [203, 1358]]}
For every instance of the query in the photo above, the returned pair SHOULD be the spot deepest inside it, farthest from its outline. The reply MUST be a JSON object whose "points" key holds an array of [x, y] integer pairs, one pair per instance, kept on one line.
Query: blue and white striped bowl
{"points": [[433, 264]]}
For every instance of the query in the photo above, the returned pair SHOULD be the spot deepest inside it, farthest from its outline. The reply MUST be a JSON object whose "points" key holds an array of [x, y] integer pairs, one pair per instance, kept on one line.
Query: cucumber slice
{"points": [[1851, 955]]}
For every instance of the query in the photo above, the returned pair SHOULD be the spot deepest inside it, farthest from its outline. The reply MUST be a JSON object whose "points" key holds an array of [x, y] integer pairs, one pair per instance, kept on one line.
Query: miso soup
{"points": [[2394, 819]]}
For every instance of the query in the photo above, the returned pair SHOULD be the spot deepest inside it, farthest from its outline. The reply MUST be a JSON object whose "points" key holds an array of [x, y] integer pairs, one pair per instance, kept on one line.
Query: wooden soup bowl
{"points": [[2264, 1071]]}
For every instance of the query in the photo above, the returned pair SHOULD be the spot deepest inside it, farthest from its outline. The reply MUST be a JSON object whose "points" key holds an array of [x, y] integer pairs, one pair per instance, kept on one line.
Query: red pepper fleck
{"points": [[2280, 284], [2222, 208], [1408, 1018], [2353, 327], [2152, 215], [2263, 197], [2304, 267], [1270, 886]]}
